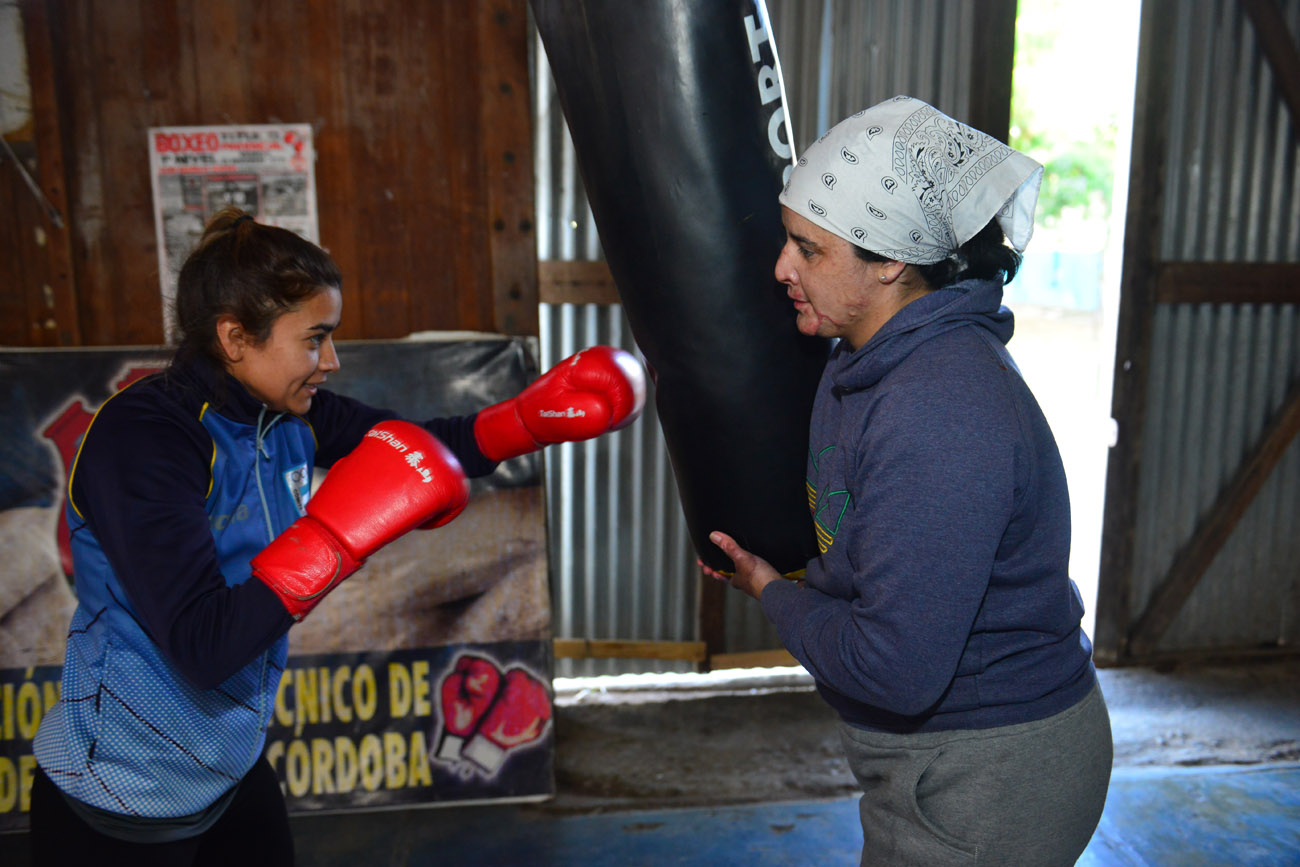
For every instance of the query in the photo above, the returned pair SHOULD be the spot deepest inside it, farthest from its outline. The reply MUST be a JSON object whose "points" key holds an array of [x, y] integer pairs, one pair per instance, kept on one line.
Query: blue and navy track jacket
{"points": [[174, 656]]}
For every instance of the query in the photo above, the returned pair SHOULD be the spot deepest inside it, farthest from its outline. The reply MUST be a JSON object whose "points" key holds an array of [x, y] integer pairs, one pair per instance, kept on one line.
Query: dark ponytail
{"points": [[985, 256]]}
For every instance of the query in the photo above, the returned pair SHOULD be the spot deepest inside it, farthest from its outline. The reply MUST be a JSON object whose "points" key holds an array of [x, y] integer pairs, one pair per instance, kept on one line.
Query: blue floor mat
{"points": [[1153, 818], [1195, 817]]}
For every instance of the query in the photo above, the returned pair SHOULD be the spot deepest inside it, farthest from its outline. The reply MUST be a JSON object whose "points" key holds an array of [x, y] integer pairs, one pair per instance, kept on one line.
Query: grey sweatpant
{"points": [[1028, 795]]}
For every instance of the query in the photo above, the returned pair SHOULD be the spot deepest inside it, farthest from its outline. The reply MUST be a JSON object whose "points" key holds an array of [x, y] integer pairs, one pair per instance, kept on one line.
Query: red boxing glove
{"points": [[400, 477], [467, 692], [518, 717], [596, 391]]}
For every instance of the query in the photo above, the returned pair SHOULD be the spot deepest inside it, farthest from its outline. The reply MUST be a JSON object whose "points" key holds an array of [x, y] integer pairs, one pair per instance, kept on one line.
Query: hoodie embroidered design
{"points": [[827, 507]]}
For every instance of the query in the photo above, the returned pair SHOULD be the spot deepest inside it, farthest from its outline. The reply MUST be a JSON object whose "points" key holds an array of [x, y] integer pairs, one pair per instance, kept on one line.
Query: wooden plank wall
{"points": [[420, 112]]}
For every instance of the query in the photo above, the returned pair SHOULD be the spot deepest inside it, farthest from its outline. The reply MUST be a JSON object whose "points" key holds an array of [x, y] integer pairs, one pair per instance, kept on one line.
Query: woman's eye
{"points": [[316, 340], [805, 252]]}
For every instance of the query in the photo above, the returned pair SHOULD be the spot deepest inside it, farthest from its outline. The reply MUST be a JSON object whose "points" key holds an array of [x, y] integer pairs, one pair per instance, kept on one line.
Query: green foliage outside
{"points": [[1078, 175], [1063, 106]]}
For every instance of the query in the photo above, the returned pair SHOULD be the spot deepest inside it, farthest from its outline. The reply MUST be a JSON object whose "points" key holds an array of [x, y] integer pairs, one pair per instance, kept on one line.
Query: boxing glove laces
{"points": [[398, 478]]}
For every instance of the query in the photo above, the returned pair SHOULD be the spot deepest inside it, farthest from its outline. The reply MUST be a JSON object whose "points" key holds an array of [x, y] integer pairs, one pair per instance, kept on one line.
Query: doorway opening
{"points": [[1074, 115]]}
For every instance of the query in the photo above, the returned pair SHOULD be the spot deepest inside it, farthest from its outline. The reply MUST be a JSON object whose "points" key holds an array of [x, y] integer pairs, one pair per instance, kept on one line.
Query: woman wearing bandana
{"points": [[939, 620]]}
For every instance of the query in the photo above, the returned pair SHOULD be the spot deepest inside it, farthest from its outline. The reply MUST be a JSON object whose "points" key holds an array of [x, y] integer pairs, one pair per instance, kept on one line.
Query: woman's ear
{"points": [[231, 338], [890, 270]]}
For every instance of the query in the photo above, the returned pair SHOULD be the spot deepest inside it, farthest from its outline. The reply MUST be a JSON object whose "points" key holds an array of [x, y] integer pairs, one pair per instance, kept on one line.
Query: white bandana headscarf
{"points": [[906, 181]]}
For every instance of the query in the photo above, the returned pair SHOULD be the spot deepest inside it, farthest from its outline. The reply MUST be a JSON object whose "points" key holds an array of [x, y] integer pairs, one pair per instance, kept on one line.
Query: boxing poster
{"points": [[424, 679], [267, 170]]}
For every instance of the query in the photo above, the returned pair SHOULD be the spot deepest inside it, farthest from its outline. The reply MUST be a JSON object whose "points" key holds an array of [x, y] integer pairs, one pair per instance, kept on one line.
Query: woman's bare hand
{"points": [[752, 574]]}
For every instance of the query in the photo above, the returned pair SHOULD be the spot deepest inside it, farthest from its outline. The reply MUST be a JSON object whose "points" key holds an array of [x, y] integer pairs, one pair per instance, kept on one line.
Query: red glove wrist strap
{"points": [[500, 433], [302, 565]]}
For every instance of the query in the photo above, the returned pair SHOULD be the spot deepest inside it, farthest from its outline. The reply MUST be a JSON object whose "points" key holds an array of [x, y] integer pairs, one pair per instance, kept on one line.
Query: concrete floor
{"points": [[641, 740], [1154, 817], [746, 769]]}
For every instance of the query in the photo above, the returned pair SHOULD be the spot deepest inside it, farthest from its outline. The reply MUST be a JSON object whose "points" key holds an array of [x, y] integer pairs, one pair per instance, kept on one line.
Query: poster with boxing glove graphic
{"points": [[489, 714], [423, 680]]}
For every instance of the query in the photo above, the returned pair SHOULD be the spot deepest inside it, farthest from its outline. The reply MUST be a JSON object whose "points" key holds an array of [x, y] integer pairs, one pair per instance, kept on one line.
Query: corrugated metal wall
{"points": [[1232, 190], [1219, 371], [622, 562], [880, 49], [622, 565], [841, 56]]}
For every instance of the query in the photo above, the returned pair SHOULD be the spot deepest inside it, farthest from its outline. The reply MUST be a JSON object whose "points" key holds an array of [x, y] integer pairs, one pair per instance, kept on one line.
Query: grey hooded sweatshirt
{"points": [[942, 597]]}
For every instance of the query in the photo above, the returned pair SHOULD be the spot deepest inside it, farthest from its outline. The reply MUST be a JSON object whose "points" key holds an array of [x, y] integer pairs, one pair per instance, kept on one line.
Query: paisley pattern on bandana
{"points": [[904, 180]]}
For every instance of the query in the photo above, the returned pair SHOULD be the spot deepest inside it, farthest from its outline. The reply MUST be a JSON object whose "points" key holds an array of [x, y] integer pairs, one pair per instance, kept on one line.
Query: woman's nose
{"points": [[329, 357], [784, 273]]}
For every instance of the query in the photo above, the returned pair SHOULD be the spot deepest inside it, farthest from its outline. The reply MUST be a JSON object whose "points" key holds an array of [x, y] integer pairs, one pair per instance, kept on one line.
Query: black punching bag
{"points": [[677, 113]]}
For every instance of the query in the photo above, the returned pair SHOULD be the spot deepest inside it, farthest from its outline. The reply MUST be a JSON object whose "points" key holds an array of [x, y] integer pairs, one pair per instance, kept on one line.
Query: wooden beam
{"points": [[508, 142], [752, 659], [1279, 49], [1154, 89], [54, 314], [576, 283], [1227, 283], [991, 67], [588, 648], [712, 616], [1192, 561], [1226, 655]]}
